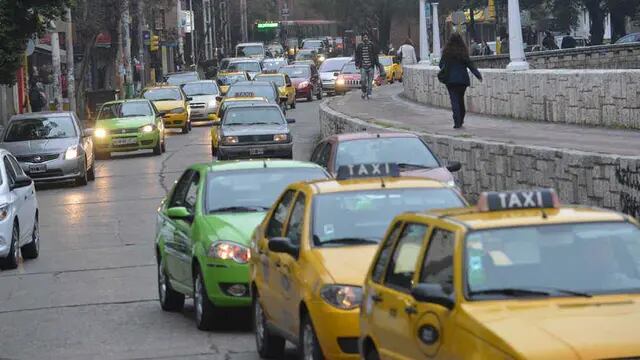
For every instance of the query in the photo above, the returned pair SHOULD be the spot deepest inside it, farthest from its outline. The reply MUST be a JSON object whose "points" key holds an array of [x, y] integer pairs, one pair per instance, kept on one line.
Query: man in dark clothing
{"points": [[367, 60], [549, 42]]}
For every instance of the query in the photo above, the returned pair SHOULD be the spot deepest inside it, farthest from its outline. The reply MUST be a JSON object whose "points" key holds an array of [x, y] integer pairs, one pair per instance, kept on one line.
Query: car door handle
{"points": [[376, 298], [278, 264]]}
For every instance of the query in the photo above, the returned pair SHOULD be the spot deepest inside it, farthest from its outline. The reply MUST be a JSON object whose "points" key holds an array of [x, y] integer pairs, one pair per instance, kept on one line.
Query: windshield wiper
{"points": [[406, 165], [239, 209], [514, 292], [350, 241]]}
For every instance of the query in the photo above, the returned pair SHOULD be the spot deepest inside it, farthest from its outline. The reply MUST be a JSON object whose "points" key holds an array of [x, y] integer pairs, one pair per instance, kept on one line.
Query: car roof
{"points": [[243, 61], [269, 74], [475, 219], [253, 82], [200, 82], [41, 114], [126, 101], [252, 98], [250, 43], [182, 73], [161, 87], [366, 135], [254, 164], [254, 105], [374, 183], [224, 73]]}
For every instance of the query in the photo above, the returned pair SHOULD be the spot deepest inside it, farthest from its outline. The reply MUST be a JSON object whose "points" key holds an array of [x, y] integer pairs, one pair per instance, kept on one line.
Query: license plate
{"points": [[256, 151], [124, 141], [37, 169]]}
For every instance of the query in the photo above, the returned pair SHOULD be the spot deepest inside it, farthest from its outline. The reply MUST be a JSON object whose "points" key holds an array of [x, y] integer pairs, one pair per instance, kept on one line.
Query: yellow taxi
{"points": [[391, 68], [173, 102], [225, 79], [285, 87], [310, 255], [224, 105], [517, 277]]}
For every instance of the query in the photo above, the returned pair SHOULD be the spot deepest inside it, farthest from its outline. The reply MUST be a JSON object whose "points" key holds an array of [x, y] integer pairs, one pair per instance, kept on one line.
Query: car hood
{"points": [[326, 76], [440, 174], [240, 130], [297, 81], [203, 98], [597, 328], [346, 264], [19, 148], [169, 105], [122, 123], [237, 227], [350, 76]]}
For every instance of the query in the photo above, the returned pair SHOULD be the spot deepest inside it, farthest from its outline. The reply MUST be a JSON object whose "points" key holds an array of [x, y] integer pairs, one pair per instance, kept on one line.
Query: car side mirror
{"points": [[336, 74], [21, 181], [219, 98], [284, 246], [291, 121], [432, 293], [454, 166], [189, 98], [180, 213], [88, 132]]}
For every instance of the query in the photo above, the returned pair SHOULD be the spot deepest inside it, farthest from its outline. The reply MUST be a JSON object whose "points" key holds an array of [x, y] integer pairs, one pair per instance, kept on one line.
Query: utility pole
{"points": [[193, 32], [71, 78], [126, 23], [424, 35], [180, 32], [141, 45], [57, 73], [243, 21]]}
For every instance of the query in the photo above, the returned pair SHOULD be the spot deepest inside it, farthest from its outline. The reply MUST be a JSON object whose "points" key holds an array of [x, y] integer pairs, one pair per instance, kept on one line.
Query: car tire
{"points": [[293, 106], [269, 346], [319, 95], [170, 300], [393, 78], [310, 96], [309, 346], [157, 150], [11, 260], [164, 144], [32, 249], [185, 128], [213, 151], [83, 179], [372, 354], [204, 310], [91, 173]]}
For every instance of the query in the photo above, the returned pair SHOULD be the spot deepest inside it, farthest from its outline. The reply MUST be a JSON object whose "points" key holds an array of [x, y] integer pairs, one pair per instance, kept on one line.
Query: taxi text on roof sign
{"points": [[367, 170], [509, 200]]}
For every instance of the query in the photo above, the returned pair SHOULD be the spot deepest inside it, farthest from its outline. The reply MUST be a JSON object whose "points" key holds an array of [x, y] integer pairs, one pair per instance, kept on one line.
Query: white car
{"points": [[19, 230]]}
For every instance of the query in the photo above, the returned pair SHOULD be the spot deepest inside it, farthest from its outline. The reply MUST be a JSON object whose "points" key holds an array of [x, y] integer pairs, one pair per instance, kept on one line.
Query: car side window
{"points": [[405, 255], [316, 152], [385, 253], [180, 192], [296, 221], [11, 173], [322, 155], [192, 193], [17, 169], [438, 263], [279, 217]]}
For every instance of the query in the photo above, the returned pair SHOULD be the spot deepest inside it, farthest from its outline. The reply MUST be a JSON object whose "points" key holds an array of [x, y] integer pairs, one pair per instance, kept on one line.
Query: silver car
{"points": [[254, 131], [203, 104], [51, 146], [329, 71]]}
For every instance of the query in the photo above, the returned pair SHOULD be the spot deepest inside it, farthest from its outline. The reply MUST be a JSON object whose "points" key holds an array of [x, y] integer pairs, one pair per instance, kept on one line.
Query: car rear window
{"points": [[253, 116]]}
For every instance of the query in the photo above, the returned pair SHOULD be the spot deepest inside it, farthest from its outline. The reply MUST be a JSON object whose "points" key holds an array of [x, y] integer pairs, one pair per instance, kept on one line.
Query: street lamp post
{"points": [[424, 35], [516, 49], [436, 32]]}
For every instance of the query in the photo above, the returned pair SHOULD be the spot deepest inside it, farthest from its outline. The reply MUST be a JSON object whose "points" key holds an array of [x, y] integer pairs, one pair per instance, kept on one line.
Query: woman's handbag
{"points": [[443, 74]]}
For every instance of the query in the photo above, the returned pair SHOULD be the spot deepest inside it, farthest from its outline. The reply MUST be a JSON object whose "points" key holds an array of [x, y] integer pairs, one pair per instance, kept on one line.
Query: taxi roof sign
{"points": [[367, 170], [513, 200]]}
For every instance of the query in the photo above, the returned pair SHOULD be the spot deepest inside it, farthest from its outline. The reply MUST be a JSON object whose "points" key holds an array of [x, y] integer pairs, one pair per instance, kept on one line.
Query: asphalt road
{"points": [[92, 294]]}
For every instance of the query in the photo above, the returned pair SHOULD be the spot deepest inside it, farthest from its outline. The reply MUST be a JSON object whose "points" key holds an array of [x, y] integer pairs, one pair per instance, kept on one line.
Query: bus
{"points": [[291, 33]]}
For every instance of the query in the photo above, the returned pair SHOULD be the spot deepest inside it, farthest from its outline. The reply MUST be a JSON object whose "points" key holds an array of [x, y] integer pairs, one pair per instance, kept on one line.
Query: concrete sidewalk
{"points": [[389, 109]]}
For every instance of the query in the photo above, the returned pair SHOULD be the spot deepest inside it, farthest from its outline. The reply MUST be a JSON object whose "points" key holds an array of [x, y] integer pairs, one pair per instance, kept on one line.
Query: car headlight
{"points": [[321, 58], [230, 140], [342, 296], [303, 85], [226, 250], [147, 128], [177, 110], [100, 133], [71, 153], [280, 137], [4, 211], [340, 81]]}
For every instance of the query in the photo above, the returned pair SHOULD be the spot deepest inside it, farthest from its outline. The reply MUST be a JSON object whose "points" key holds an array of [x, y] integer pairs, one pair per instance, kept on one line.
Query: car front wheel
{"points": [[11, 260], [309, 345], [83, 179], [205, 311], [32, 249], [170, 300]]}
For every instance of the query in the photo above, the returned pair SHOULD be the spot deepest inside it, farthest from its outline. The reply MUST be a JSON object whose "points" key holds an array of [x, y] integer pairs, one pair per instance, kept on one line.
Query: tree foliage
{"points": [[21, 20]]}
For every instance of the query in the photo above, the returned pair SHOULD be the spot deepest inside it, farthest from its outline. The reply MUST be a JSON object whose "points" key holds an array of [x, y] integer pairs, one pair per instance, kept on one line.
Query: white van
{"points": [[252, 50]]}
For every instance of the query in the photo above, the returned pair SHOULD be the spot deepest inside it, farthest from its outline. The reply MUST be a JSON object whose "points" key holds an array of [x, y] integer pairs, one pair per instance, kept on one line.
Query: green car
{"points": [[204, 229], [128, 125]]}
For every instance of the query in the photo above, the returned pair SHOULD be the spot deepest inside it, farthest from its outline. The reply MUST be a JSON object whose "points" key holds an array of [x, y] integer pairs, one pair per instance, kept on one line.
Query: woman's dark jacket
{"points": [[457, 71]]}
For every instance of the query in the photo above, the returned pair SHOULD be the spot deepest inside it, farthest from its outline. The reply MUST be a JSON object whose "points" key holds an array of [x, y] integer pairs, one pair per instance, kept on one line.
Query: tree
{"points": [[619, 10], [21, 20]]}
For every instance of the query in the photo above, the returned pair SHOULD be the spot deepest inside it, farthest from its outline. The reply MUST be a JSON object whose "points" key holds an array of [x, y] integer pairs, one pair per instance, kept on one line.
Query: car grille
{"points": [[35, 159], [197, 105], [255, 138], [123, 131], [48, 173]]}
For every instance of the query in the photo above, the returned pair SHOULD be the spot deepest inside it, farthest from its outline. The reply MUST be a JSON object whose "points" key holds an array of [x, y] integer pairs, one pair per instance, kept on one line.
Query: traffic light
{"points": [[155, 43]]}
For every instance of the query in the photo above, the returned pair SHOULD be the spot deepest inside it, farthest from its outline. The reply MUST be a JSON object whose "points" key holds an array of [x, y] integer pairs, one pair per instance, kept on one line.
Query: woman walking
{"points": [[453, 73]]}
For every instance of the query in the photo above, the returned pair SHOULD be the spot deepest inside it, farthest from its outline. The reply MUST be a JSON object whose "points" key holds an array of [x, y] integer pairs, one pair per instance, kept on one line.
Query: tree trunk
{"points": [[84, 69], [596, 15], [618, 29]]}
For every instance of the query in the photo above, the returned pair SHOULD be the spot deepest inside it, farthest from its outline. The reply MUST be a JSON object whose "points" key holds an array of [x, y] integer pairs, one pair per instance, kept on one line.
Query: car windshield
{"points": [[365, 215], [169, 94], [305, 55], [276, 79], [408, 151], [548, 260], [386, 61], [197, 89], [230, 79], [332, 65], [267, 91], [312, 44], [227, 104], [124, 110], [273, 65], [180, 79], [229, 191], [297, 72], [350, 68], [250, 50], [242, 115], [41, 128], [250, 66]]}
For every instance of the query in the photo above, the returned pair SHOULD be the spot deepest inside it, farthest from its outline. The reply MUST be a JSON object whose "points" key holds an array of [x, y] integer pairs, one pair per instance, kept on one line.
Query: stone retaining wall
{"points": [[608, 181], [608, 98], [622, 56]]}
